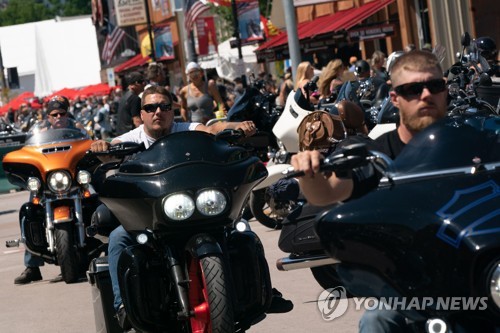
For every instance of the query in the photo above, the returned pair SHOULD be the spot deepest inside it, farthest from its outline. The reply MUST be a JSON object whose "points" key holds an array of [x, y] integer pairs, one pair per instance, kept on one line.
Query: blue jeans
{"points": [[382, 321], [119, 239], [32, 261], [29, 259]]}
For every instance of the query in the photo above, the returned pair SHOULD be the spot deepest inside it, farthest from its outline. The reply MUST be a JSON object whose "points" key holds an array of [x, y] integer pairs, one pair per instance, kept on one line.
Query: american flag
{"points": [[113, 39], [193, 9]]}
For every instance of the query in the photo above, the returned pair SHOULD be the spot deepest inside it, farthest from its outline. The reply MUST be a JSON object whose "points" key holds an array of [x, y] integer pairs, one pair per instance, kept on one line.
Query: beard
{"points": [[416, 122]]}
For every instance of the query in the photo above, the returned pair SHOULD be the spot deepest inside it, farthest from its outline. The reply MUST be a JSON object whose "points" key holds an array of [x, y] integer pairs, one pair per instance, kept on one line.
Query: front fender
{"points": [[202, 245]]}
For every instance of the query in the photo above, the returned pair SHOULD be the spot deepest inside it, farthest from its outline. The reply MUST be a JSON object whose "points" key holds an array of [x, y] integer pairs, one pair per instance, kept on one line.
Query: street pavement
{"points": [[54, 307]]}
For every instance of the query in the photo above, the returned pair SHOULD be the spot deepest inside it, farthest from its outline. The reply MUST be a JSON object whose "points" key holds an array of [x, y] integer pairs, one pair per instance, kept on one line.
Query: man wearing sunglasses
{"points": [[420, 94], [158, 120]]}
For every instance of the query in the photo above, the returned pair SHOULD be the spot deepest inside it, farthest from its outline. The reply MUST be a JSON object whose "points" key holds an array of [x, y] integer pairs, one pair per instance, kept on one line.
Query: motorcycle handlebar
{"points": [[351, 157], [120, 149]]}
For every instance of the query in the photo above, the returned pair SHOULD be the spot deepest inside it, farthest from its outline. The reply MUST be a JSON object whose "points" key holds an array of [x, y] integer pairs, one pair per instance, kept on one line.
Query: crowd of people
{"points": [[142, 114]]}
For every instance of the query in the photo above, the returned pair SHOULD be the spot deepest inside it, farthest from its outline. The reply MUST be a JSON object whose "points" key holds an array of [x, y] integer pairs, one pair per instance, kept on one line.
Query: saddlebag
{"points": [[144, 287], [102, 296], [250, 273], [103, 222], [31, 217], [298, 234]]}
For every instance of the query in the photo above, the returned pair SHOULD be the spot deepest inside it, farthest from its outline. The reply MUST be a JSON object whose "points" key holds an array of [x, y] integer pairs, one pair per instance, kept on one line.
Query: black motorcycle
{"points": [[429, 233], [192, 270]]}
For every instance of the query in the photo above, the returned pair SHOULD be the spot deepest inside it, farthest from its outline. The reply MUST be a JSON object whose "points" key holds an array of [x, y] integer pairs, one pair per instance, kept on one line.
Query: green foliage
{"points": [[27, 11]]}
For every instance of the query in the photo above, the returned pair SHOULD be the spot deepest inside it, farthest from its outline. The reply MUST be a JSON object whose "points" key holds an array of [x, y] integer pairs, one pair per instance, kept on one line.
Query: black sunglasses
{"points": [[415, 88], [62, 114], [153, 107]]}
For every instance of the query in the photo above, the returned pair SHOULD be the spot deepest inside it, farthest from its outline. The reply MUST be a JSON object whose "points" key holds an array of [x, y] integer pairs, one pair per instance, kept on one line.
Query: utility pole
{"points": [[150, 31], [293, 39], [241, 71], [5, 88]]}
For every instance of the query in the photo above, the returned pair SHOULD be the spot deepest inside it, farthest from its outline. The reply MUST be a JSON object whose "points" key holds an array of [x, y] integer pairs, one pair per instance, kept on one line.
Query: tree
{"points": [[27, 11]]}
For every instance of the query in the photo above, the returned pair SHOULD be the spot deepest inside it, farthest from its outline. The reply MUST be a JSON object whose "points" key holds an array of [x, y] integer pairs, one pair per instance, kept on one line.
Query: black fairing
{"points": [[181, 162], [430, 232]]}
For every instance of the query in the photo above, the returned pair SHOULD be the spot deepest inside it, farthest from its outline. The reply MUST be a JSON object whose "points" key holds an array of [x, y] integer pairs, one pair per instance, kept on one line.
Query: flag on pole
{"points": [[113, 39], [193, 9]]}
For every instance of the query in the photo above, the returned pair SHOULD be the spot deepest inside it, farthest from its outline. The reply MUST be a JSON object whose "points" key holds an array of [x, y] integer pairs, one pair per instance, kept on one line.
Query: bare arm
{"points": [[184, 109], [320, 190], [247, 126], [214, 92]]}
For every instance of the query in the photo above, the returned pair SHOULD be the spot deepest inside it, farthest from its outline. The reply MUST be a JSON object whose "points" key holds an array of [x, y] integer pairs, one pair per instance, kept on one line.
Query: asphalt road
{"points": [[46, 306]]}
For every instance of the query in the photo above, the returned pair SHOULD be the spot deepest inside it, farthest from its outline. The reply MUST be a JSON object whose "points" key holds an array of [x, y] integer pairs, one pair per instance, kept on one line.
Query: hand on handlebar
{"points": [[248, 127], [99, 146]]}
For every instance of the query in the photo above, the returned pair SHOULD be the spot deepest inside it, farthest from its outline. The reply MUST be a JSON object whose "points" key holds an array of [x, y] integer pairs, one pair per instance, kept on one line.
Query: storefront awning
{"points": [[342, 20], [133, 62]]}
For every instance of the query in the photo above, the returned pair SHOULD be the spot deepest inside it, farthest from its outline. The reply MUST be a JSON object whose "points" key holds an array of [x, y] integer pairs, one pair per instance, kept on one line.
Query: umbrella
{"points": [[16, 102], [99, 89], [66, 92]]}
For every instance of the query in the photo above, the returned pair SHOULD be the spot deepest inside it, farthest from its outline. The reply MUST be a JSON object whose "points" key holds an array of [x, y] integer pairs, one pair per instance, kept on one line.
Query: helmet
{"points": [[361, 67], [392, 59], [487, 47]]}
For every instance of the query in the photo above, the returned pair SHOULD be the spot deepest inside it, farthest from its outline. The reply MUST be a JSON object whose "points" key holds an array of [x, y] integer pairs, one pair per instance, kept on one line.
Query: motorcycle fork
{"points": [[181, 284], [51, 222]]}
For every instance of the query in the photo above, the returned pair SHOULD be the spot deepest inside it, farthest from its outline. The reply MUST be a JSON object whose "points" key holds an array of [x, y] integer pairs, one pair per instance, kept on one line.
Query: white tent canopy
{"points": [[60, 54], [226, 60]]}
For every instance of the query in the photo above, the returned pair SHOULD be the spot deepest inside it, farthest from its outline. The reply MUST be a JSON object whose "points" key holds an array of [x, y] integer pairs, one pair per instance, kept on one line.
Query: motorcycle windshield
{"points": [[451, 143], [43, 133], [182, 148]]}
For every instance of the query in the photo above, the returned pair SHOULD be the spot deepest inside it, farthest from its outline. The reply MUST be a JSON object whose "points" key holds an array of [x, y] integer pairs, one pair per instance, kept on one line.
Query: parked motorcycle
{"points": [[192, 270], [61, 199]]}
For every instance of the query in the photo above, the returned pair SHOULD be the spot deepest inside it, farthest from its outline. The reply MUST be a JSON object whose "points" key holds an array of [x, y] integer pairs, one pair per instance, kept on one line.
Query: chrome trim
{"points": [[292, 263], [393, 177], [494, 281]]}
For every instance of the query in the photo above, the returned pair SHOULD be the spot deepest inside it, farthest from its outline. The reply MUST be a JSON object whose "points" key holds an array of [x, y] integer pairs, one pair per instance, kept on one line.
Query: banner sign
{"points": [[249, 21], [130, 12], [371, 33], [207, 37], [164, 45]]}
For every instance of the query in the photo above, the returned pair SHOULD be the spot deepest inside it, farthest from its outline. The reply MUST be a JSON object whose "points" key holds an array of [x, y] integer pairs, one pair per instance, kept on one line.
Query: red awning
{"points": [[16, 102], [135, 61], [100, 89], [66, 92], [342, 20]]}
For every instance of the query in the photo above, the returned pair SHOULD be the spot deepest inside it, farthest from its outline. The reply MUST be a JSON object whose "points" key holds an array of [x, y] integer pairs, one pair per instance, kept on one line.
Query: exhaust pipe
{"points": [[298, 262]]}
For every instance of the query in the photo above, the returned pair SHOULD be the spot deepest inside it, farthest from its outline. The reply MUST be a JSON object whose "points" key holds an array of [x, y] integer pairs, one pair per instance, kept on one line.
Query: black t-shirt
{"points": [[129, 107], [366, 178]]}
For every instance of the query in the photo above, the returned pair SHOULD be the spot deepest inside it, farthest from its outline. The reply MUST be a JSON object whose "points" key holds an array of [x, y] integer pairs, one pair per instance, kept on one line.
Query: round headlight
{"points": [[178, 207], [59, 181], [33, 184], [83, 177], [211, 202]]}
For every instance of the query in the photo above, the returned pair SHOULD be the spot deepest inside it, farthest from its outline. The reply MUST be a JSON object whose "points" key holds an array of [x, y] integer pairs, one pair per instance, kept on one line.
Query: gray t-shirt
{"points": [[138, 135]]}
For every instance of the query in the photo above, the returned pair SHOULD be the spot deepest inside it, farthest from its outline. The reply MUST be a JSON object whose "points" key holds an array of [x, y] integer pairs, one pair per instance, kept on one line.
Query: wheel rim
{"points": [[198, 299]]}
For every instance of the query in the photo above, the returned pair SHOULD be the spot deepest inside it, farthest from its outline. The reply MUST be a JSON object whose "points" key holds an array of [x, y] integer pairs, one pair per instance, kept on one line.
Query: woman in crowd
{"points": [[199, 98], [331, 78]]}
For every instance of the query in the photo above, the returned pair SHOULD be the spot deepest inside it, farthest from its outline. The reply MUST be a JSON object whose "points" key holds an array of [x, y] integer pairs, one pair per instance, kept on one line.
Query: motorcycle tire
{"points": [[327, 277], [68, 256], [209, 286], [262, 212]]}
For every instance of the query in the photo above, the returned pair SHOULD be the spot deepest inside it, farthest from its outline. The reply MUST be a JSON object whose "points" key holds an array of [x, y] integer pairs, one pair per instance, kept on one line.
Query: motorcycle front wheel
{"points": [[209, 296], [261, 210], [68, 257]]}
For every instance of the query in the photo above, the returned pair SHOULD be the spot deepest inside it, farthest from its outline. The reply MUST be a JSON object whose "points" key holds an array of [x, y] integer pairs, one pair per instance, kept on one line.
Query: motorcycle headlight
{"points": [[33, 184], [83, 177], [59, 181], [178, 207], [495, 284], [211, 202]]}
